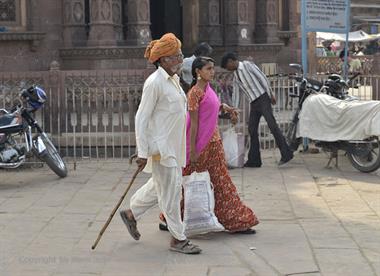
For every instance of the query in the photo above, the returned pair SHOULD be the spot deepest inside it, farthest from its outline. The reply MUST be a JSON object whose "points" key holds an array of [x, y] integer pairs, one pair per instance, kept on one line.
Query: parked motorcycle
{"points": [[16, 139], [364, 155]]}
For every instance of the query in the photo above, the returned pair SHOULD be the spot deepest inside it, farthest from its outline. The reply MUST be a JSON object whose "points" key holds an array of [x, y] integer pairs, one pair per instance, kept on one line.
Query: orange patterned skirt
{"points": [[229, 209]]}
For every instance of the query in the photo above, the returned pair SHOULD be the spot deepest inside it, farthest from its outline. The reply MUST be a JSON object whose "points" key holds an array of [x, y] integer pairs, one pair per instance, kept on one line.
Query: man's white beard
{"points": [[176, 69]]}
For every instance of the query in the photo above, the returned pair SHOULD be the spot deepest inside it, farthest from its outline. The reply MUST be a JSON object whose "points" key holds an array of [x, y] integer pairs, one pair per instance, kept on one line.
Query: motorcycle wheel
{"points": [[52, 158], [291, 137], [370, 162]]}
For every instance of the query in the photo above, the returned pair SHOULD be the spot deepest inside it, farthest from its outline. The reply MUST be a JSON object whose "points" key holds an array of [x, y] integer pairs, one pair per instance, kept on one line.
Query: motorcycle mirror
{"points": [[296, 66]]}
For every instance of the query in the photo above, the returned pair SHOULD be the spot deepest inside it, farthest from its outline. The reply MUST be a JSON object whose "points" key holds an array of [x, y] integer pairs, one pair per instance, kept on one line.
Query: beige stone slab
{"points": [[309, 274], [75, 274], [82, 263], [331, 181], [19, 203], [283, 246], [34, 264], [273, 209], [56, 197], [313, 206], [263, 191], [185, 270], [43, 212], [372, 198], [327, 233], [245, 252], [18, 229], [343, 199], [365, 229], [229, 271], [28, 273], [373, 256], [143, 269], [369, 182], [342, 262]]}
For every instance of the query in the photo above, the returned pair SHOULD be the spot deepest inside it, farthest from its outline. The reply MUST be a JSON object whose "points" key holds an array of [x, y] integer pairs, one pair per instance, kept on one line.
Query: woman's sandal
{"points": [[248, 231], [185, 247], [131, 225]]}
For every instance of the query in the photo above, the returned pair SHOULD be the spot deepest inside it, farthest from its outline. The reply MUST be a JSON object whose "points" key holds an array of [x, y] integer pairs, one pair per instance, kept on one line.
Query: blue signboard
{"points": [[331, 16]]}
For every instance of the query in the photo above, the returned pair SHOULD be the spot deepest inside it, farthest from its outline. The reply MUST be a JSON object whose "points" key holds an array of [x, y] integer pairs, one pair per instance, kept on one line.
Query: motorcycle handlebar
{"points": [[352, 78], [296, 78]]}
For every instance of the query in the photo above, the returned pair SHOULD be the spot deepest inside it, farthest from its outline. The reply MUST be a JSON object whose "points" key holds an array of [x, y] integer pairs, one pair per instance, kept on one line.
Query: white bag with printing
{"points": [[199, 203]]}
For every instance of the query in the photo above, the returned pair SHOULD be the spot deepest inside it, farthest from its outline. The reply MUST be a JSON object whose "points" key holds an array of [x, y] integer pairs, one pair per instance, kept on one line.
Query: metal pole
{"points": [[304, 37]]}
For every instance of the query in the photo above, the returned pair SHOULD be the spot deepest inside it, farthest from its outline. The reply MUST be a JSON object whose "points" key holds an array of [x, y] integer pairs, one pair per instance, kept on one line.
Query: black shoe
{"points": [[286, 160], [251, 165], [163, 226]]}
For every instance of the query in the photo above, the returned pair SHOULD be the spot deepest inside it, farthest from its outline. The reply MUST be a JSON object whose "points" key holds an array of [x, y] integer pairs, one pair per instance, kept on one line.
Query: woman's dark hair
{"points": [[226, 57], [199, 63]]}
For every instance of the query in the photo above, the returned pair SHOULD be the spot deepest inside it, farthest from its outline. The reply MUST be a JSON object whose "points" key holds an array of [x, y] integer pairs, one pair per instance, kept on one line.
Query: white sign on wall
{"points": [[326, 15]]}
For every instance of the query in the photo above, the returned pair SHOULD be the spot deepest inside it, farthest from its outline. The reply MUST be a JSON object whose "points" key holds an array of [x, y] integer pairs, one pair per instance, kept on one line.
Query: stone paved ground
{"points": [[314, 221]]}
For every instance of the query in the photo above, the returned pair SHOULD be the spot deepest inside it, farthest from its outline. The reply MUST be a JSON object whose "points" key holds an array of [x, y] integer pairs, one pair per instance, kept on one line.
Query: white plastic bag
{"points": [[234, 150], [199, 217]]}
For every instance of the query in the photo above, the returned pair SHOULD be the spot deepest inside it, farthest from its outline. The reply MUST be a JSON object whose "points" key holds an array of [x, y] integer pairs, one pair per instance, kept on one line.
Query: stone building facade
{"points": [[113, 34]]}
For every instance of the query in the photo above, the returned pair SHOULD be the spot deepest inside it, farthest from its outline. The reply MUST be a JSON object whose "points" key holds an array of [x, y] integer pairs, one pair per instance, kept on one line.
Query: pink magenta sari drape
{"points": [[207, 121]]}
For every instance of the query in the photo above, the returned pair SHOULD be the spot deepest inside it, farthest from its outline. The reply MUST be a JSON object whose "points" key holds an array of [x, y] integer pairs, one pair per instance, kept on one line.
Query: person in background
{"points": [[161, 143], [203, 49], [255, 86], [358, 50], [354, 64], [329, 51]]}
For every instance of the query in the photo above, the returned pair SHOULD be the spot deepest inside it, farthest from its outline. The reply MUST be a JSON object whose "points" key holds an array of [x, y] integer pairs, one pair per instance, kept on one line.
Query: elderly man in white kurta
{"points": [[161, 143]]}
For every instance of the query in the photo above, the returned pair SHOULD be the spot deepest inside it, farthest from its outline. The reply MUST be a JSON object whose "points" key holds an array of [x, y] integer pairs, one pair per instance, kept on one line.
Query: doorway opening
{"points": [[166, 17]]}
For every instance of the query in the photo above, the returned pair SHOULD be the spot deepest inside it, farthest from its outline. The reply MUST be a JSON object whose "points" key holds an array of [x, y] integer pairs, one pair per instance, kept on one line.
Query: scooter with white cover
{"points": [[336, 121]]}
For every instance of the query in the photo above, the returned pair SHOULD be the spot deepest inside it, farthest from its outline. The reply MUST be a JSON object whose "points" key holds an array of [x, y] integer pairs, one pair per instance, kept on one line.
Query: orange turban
{"points": [[167, 45]]}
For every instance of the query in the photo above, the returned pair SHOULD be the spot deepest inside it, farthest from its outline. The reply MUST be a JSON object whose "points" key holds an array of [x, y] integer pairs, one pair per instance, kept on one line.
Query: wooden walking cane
{"points": [[117, 205]]}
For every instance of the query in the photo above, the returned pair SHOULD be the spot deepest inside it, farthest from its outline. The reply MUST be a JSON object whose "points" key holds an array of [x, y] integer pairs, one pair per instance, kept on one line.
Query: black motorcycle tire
{"points": [[291, 137], [52, 158], [366, 169]]}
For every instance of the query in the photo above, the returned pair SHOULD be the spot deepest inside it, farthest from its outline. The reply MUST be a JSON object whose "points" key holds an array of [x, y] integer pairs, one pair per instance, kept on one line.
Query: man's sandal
{"points": [[163, 226], [131, 225], [185, 247]]}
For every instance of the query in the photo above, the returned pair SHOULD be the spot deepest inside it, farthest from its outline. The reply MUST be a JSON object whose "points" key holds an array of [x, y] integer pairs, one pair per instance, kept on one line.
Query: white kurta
{"points": [[161, 130], [160, 123]]}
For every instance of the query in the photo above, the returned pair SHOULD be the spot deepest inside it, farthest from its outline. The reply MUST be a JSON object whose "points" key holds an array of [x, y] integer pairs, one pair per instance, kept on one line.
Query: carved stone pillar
{"points": [[105, 23], [190, 25], [237, 29], [74, 28], [266, 21], [138, 22], [210, 28]]}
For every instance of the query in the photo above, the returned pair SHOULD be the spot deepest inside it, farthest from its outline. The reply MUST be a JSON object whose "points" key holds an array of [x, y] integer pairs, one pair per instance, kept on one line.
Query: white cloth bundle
{"points": [[326, 118]]}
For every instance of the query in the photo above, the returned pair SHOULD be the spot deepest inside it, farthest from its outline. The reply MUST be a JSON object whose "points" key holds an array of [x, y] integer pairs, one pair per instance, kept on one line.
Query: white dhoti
{"points": [[165, 189]]}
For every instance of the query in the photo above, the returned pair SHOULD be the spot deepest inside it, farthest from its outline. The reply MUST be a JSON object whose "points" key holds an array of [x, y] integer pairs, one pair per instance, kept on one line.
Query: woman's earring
{"points": [[199, 77]]}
